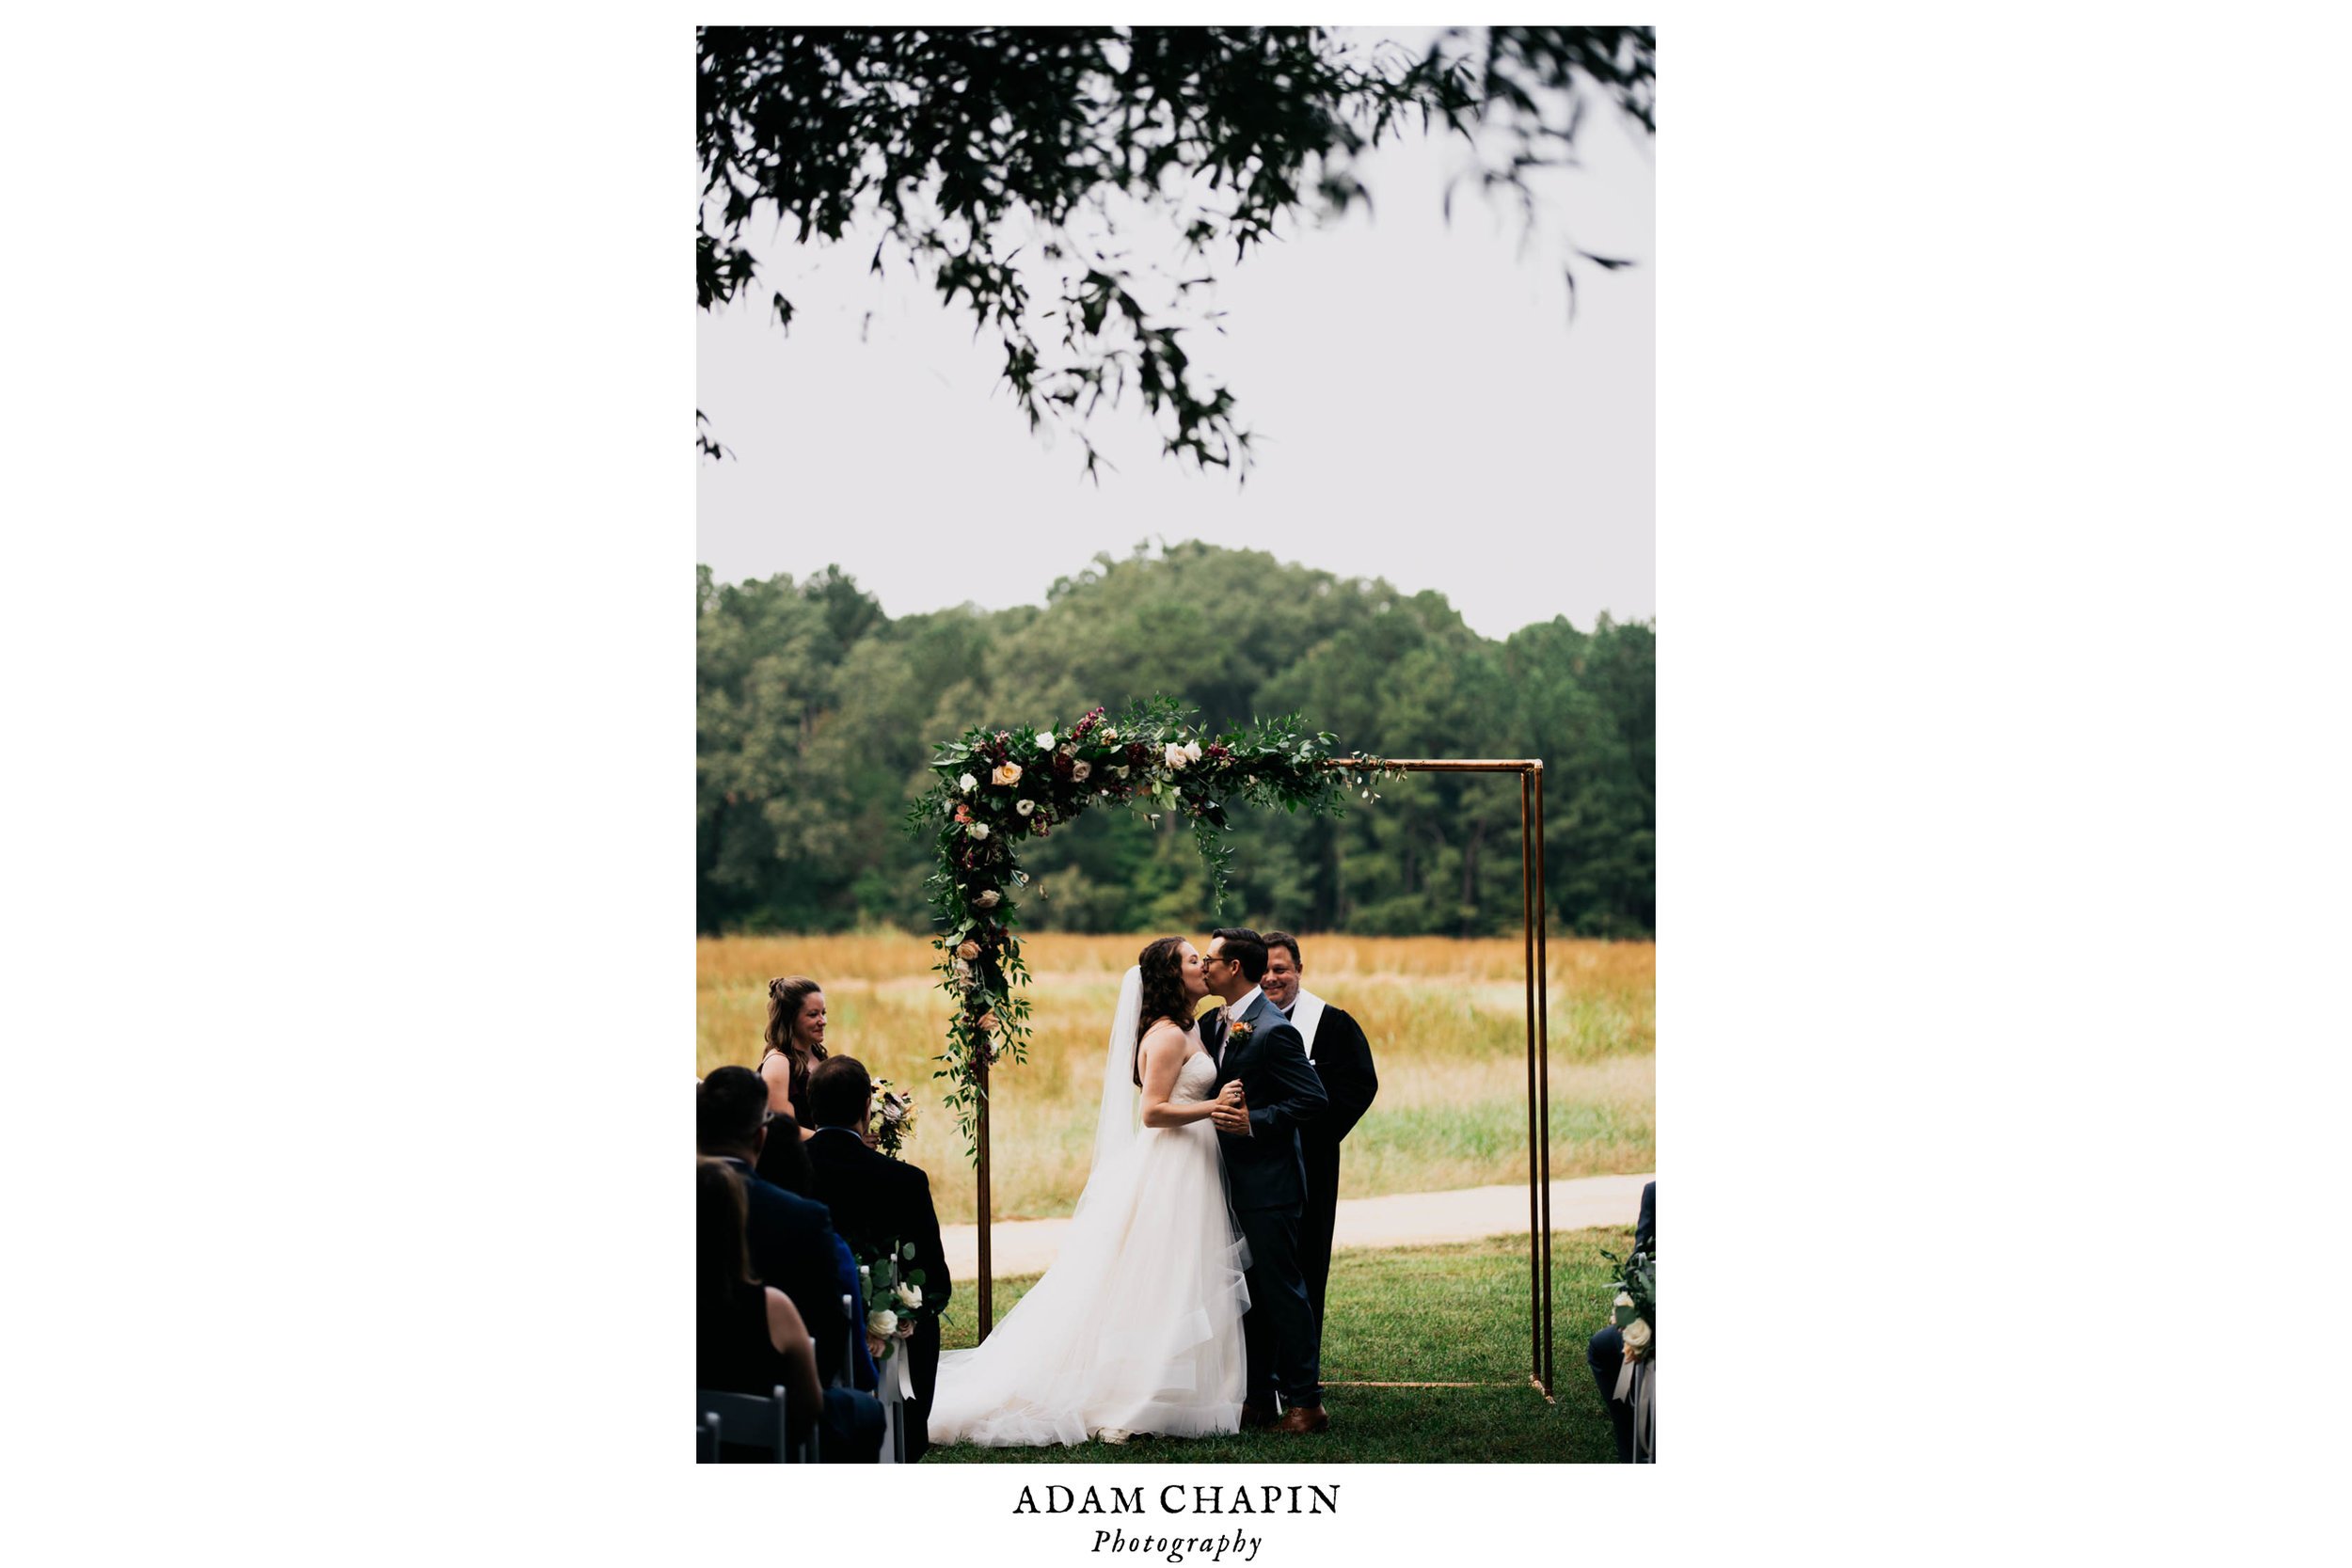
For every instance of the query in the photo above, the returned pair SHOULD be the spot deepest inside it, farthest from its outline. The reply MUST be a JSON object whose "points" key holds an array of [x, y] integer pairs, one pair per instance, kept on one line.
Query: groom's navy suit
{"points": [[1267, 1176]]}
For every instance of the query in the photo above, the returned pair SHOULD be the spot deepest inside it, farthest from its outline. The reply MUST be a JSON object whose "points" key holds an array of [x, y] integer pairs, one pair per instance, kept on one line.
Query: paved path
{"points": [[1403, 1219]]}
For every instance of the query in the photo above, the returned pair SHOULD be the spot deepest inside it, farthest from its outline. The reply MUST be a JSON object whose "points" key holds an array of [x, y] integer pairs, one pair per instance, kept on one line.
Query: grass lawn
{"points": [[1456, 1313]]}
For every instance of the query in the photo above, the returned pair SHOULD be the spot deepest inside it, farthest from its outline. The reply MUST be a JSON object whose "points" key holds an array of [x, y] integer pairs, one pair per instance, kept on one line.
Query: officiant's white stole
{"points": [[1305, 1016]]}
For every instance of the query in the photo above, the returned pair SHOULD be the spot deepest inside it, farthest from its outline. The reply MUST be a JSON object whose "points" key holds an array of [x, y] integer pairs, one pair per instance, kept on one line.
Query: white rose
{"points": [[967, 783], [1078, 770], [894, 1109], [1637, 1334], [1045, 741], [1174, 755], [1024, 807], [1623, 1300], [989, 898], [1110, 735], [882, 1320], [1192, 749], [910, 1295], [977, 829]]}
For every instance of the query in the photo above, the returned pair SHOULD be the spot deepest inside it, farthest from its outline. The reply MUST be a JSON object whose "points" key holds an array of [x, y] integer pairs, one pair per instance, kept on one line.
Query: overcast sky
{"points": [[1426, 412]]}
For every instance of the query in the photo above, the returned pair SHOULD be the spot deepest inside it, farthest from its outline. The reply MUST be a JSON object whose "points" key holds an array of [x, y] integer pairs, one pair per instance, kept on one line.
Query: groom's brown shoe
{"points": [[1304, 1418], [1256, 1418]]}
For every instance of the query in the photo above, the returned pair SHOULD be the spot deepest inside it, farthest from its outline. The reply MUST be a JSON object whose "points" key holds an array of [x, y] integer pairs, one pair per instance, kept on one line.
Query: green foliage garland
{"points": [[998, 786]]}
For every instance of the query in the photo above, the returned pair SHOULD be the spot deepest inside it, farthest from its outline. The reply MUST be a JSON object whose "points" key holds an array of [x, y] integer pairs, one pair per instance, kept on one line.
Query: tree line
{"points": [[816, 713]]}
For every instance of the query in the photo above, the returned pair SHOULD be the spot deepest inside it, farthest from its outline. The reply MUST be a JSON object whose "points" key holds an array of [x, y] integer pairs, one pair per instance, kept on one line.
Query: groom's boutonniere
{"points": [[1239, 1034]]}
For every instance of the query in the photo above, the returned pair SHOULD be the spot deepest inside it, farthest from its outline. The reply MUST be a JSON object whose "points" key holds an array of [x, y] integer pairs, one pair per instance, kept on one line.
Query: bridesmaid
{"points": [[796, 1042]]}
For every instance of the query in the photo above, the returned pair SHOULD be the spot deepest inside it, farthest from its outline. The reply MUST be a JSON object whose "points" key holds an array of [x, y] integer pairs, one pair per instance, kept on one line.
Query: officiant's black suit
{"points": [[876, 1200], [1267, 1176], [1343, 1060]]}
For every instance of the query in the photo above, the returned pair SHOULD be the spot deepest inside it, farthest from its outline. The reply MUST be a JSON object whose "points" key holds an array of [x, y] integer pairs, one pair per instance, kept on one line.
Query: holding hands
{"points": [[1233, 1109]]}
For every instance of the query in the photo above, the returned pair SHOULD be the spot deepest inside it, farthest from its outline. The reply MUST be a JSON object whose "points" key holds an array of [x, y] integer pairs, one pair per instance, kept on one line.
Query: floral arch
{"points": [[996, 787]]}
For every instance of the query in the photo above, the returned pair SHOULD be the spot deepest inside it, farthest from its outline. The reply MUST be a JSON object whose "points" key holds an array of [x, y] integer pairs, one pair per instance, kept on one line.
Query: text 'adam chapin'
{"points": [[1181, 1498]]}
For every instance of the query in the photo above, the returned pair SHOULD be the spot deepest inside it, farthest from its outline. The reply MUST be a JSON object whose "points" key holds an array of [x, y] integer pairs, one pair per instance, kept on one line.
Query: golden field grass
{"points": [[1446, 1019]]}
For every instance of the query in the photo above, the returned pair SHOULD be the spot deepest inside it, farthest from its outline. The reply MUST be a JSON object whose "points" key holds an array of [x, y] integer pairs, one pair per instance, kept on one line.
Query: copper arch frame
{"points": [[1530, 774]]}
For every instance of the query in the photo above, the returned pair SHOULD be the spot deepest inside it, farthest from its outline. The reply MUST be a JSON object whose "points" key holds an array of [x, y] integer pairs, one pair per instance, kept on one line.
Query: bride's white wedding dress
{"points": [[1136, 1327]]}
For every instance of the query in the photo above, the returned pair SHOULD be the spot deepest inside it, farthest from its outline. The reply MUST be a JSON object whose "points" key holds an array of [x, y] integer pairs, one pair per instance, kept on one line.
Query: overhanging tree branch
{"points": [[967, 144]]}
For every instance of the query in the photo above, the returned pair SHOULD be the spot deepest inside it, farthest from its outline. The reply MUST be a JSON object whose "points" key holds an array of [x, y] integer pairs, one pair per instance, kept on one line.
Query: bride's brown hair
{"points": [[1162, 964]]}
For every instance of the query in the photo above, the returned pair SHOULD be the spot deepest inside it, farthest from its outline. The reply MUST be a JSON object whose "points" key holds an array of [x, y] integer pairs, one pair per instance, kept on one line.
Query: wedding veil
{"points": [[1115, 1123]]}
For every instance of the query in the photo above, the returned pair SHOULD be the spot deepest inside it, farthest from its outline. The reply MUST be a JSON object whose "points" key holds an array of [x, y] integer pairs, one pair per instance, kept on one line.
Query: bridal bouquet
{"points": [[894, 1118], [894, 1298], [1635, 1309]]}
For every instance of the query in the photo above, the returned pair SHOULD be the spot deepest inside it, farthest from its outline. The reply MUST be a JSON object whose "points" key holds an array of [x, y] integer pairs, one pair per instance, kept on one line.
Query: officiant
{"points": [[1342, 1059]]}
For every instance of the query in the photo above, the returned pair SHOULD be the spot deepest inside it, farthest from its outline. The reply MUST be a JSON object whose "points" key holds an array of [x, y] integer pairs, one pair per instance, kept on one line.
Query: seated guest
{"points": [[748, 1338], [1606, 1350], [782, 1159], [793, 1244], [878, 1201]]}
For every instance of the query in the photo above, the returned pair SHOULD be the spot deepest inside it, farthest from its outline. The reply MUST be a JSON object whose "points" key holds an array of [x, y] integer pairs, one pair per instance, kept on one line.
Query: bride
{"points": [[1136, 1327]]}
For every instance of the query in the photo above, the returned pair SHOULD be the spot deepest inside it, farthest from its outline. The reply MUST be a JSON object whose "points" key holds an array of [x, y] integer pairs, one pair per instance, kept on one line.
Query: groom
{"points": [[1257, 1130]]}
